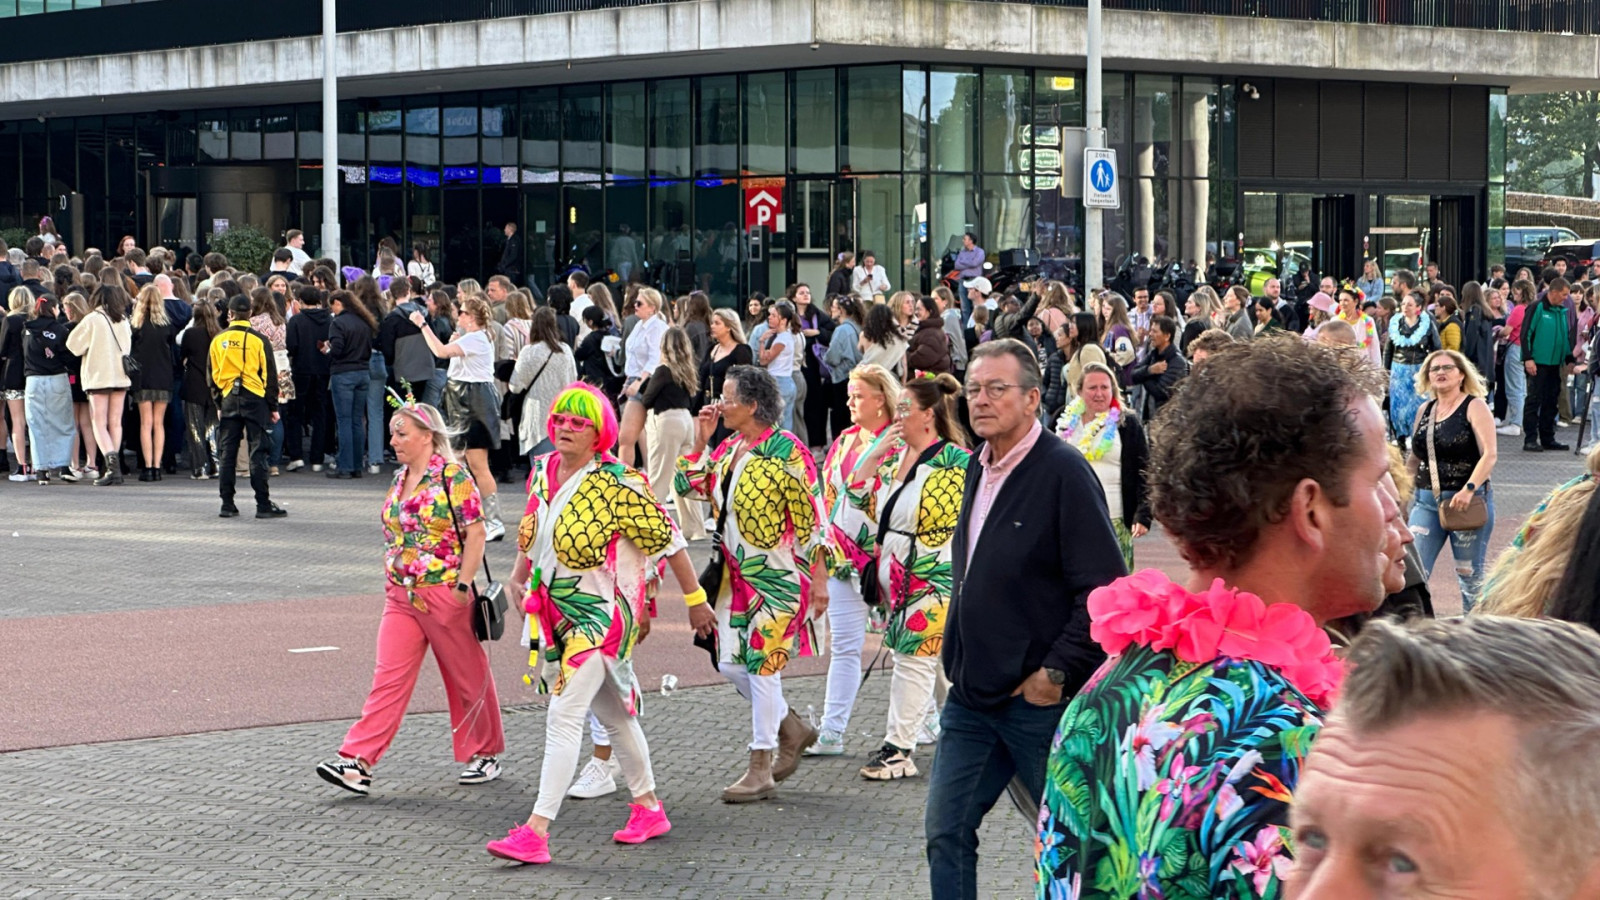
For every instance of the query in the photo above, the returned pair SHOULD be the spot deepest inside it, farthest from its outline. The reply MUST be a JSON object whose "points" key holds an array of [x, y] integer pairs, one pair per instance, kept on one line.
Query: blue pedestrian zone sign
{"points": [[1100, 178]]}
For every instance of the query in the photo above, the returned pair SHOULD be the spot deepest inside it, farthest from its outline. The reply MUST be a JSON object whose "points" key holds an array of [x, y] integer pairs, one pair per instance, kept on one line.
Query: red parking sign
{"points": [[762, 206]]}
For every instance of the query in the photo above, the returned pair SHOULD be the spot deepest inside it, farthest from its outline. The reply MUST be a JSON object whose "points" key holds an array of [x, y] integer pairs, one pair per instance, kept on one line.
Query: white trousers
{"points": [[767, 706], [911, 693], [670, 435], [847, 619], [563, 736]]}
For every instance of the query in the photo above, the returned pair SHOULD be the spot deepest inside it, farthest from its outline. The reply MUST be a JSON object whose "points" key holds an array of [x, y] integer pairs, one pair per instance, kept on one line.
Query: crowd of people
{"points": [[967, 475]]}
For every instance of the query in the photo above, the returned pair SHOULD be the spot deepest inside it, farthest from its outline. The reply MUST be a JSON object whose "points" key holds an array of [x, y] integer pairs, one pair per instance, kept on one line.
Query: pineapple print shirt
{"points": [[770, 536], [421, 544], [592, 542], [852, 528], [913, 562]]}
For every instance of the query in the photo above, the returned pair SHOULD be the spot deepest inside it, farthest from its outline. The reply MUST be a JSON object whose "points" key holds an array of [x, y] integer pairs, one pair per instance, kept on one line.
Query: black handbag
{"points": [[130, 366], [489, 604]]}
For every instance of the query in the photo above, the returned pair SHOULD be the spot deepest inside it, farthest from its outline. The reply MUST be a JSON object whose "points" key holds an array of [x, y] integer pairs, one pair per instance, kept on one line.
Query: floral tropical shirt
{"points": [[912, 564], [852, 529], [606, 534], [1172, 780], [770, 537], [421, 544]]}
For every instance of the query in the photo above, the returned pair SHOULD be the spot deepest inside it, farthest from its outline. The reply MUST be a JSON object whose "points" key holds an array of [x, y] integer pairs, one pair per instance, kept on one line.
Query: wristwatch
{"points": [[1471, 487], [1057, 677], [461, 586]]}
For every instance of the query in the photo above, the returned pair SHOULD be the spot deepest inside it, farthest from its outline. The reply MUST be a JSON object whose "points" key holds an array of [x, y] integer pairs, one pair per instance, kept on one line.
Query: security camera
{"points": [[1250, 89]]}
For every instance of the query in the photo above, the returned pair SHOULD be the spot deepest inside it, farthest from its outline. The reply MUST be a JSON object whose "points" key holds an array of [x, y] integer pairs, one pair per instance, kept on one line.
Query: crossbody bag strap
{"points": [[888, 505], [456, 520], [1433, 459]]}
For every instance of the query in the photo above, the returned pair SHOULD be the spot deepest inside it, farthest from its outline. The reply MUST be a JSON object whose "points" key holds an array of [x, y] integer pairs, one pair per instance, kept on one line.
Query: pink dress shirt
{"points": [[995, 473]]}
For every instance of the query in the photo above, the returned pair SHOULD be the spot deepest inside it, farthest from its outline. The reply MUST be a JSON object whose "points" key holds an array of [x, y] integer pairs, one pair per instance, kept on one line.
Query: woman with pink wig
{"points": [[591, 537]]}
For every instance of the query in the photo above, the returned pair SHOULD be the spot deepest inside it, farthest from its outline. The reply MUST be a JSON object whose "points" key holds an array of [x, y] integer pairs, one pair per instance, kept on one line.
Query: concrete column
{"points": [[1144, 166], [1196, 163]]}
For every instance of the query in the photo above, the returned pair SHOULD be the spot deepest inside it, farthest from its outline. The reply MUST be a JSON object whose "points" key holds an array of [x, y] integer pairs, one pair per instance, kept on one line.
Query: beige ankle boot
{"points": [[794, 736], [757, 783]]}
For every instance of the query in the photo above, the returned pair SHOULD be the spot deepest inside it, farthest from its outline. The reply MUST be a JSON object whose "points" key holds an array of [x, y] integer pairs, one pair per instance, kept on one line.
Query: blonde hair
{"points": [[730, 319], [897, 305], [651, 296], [477, 309], [430, 420], [879, 379], [20, 299], [1524, 579], [468, 287], [149, 307], [1471, 382]]}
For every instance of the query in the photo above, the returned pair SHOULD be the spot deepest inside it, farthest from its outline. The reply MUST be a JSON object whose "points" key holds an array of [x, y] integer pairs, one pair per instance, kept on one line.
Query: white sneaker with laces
{"points": [[1509, 430], [350, 774], [596, 780], [480, 769], [295, 465], [829, 743]]}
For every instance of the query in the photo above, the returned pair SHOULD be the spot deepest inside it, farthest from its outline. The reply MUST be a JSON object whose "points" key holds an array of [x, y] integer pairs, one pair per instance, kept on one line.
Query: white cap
{"points": [[981, 285]]}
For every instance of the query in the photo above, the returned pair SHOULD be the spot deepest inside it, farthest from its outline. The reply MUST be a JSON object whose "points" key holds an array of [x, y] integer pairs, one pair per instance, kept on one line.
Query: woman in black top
{"points": [[668, 395], [199, 407], [1460, 426], [12, 381], [51, 427], [152, 385], [817, 327], [594, 368], [349, 356], [728, 349]]}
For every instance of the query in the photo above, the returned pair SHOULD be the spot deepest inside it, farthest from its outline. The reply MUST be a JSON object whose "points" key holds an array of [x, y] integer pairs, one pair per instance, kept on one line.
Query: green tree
{"points": [[1553, 143], [246, 247]]}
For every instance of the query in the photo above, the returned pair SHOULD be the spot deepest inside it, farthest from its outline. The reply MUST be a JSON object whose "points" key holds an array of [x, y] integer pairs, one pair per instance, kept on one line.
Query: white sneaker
{"points": [[930, 731], [596, 780], [316, 467], [480, 769], [295, 465], [373, 470], [493, 530], [1509, 430], [829, 743]]}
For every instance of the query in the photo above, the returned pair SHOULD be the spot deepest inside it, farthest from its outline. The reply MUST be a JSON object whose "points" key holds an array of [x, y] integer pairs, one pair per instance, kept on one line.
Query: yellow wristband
{"points": [[694, 598]]}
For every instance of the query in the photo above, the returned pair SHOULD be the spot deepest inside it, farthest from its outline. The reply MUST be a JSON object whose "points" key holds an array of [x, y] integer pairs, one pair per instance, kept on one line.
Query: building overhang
{"points": [[717, 36]]}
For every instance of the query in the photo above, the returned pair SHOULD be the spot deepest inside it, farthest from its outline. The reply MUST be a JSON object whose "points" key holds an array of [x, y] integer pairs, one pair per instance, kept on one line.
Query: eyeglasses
{"points": [[994, 390], [569, 423], [1435, 370]]}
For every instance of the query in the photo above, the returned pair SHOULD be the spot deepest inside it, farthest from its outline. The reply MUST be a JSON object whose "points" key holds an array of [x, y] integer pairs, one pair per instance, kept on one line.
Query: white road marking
{"points": [[312, 649]]}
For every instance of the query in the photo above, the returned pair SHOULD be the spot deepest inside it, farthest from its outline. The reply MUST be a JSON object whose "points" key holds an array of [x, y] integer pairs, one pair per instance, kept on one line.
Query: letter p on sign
{"points": [[761, 207]]}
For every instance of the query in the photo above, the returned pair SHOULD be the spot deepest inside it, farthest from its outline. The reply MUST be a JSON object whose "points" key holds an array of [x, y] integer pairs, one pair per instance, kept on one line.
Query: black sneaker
{"points": [[889, 763], [1531, 448], [480, 770], [272, 512], [335, 473], [349, 774], [229, 511], [1556, 445]]}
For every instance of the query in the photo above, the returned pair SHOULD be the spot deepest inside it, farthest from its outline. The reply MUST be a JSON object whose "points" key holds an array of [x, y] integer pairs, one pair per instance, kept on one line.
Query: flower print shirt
{"points": [[422, 546], [593, 543], [1173, 779], [852, 527], [771, 535], [913, 563]]}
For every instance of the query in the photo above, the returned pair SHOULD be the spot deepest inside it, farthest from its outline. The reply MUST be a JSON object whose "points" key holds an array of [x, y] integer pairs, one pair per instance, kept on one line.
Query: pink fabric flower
{"points": [[1263, 859]]}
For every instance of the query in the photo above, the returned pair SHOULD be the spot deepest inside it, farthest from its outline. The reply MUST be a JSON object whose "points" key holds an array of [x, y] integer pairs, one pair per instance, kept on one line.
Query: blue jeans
{"points": [[979, 753], [378, 373], [786, 390], [350, 410], [433, 391], [1516, 384], [1470, 548]]}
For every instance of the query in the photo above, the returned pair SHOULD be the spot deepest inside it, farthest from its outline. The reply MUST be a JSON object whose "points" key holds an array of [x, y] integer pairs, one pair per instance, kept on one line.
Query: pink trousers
{"points": [[404, 636]]}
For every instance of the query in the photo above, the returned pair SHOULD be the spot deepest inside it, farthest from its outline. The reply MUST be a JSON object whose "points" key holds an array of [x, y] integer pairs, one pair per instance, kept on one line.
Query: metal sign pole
{"points": [[1093, 219], [330, 133]]}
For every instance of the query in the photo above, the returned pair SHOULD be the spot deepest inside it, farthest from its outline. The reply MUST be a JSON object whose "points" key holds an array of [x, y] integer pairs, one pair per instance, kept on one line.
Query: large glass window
{"points": [[541, 135], [581, 132], [213, 136], [879, 224], [716, 141], [627, 223], [914, 118], [1007, 110], [953, 107], [277, 132], [625, 130], [953, 212], [766, 124], [498, 128], [458, 125], [245, 131], [869, 128], [669, 128], [386, 134], [814, 120], [720, 251], [672, 243]]}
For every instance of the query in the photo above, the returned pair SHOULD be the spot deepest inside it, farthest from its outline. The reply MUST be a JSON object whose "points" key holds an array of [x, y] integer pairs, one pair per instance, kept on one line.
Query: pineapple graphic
{"points": [[604, 506], [941, 496], [766, 491]]}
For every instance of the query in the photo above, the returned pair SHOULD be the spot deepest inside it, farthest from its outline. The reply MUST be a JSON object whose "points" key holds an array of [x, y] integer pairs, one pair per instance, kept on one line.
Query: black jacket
{"points": [[36, 287], [1135, 460], [194, 354], [9, 278], [396, 325], [592, 368], [303, 338], [350, 344], [511, 258], [1159, 387], [11, 361], [152, 347], [46, 347], [1021, 605]]}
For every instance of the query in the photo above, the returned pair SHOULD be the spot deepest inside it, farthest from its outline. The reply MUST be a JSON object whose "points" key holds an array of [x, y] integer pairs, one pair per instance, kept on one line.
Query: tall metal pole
{"points": [[330, 133], [1093, 219]]}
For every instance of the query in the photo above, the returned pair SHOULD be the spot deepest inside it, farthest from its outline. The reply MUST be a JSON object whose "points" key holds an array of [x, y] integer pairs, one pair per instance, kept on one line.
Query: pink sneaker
{"points": [[522, 845], [643, 824]]}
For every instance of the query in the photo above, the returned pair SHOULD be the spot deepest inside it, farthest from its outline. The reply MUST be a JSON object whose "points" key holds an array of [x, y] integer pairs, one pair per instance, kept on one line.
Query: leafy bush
{"points": [[15, 237], [247, 249]]}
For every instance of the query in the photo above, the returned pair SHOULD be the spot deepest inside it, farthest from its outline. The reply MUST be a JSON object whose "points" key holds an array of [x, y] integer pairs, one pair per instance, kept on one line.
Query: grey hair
{"points": [[431, 420], [15, 256], [1542, 674], [755, 387], [1027, 363]]}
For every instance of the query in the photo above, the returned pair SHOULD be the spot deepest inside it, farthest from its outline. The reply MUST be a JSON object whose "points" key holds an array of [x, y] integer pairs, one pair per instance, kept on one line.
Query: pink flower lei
{"points": [[1149, 609]]}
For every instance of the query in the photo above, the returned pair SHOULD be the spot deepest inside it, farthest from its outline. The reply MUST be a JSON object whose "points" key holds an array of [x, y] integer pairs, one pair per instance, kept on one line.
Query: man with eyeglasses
{"points": [[1033, 539]]}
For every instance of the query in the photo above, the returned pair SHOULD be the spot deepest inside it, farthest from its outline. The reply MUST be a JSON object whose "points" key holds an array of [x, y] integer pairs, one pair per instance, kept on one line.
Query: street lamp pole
{"points": [[330, 133], [1093, 219]]}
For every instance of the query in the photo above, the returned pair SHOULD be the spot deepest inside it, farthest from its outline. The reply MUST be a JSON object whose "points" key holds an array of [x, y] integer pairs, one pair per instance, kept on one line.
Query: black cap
{"points": [[239, 307]]}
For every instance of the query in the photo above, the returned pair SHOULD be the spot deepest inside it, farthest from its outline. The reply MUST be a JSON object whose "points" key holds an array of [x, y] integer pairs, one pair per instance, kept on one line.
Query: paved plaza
{"points": [[158, 731]]}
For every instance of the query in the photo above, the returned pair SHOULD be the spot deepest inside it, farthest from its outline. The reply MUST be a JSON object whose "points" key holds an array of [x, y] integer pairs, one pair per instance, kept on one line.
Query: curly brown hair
{"points": [[1228, 450]]}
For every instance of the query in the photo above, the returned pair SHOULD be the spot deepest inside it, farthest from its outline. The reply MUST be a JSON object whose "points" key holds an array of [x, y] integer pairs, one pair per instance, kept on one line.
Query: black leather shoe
{"points": [[335, 473], [1556, 445], [144, 474], [1531, 448], [272, 512], [228, 512]]}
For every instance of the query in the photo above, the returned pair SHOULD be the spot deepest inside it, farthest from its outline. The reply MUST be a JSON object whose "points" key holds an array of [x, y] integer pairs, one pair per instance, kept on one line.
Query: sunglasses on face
{"points": [[569, 423]]}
